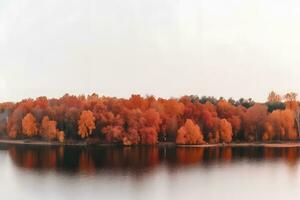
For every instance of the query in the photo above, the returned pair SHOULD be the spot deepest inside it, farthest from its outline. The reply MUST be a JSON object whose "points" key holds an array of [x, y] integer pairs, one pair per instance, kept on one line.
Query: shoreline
{"points": [[247, 144], [165, 144]]}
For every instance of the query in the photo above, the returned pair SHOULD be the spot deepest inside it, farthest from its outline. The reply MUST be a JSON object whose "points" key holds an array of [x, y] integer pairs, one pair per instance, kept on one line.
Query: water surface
{"points": [[36, 172]]}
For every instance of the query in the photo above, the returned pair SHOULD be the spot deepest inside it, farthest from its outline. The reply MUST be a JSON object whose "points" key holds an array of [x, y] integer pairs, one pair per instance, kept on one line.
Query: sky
{"points": [[165, 48]]}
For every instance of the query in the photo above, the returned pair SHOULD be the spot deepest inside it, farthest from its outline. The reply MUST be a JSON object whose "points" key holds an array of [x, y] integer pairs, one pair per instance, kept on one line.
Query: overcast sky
{"points": [[167, 48]]}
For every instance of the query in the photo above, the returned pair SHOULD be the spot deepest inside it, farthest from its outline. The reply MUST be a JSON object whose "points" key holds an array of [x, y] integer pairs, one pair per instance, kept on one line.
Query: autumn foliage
{"points": [[49, 131], [86, 124], [29, 125], [189, 133], [280, 125], [225, 130], [149, 120]]}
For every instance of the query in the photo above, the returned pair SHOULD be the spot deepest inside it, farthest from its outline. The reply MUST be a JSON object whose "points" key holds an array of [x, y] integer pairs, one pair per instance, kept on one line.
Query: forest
{"points": [[149, 120]]}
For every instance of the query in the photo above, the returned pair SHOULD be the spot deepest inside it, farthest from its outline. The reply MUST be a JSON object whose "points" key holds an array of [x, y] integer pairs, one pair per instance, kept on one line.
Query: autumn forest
{"points": [[149, 120]]}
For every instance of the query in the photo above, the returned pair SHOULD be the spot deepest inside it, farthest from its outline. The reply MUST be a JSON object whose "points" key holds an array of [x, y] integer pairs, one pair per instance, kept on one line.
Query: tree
{"points": [[274, 102], [29, 125], [170, 112], [86, 123], [49, 131], [290, 96], [273, 97], [189, 133], [247, 103], [48, 128], [291, 101], [292, 104], [149, 127], [148, 135], [254, 121], [231, 114], [225, 131], [280, 125], [14, 124], [115, 134]]}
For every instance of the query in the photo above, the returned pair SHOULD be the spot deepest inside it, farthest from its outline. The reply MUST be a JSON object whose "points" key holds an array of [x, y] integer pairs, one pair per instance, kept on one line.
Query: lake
{"points": [[39, 172]]}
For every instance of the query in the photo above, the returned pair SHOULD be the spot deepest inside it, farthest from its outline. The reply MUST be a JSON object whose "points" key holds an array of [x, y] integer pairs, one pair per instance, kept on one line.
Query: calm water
{"points": [[148, 173]]}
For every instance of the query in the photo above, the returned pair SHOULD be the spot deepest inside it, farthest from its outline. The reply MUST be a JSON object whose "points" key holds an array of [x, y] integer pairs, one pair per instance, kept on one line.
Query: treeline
{"points": [[148, 120]]}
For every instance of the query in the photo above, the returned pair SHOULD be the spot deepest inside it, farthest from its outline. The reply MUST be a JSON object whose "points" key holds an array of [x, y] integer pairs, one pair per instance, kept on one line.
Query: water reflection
{"points": [[139, 159]]}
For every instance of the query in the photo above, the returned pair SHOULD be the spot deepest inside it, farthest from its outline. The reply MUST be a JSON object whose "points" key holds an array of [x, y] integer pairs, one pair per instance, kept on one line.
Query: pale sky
{"points": [[166, 48]]}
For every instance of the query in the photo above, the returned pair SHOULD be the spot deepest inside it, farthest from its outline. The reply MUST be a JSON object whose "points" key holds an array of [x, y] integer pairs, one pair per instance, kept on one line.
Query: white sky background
{"points": [[167, 48]]}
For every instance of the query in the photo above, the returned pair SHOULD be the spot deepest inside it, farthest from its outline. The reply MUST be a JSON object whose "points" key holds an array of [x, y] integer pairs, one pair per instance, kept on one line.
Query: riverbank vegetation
{"points": [[150, 120]]}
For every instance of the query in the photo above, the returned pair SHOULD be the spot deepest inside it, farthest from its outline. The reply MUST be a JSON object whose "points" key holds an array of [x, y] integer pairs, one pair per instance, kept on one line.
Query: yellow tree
{"points": [[86, 124], [29, 125]]}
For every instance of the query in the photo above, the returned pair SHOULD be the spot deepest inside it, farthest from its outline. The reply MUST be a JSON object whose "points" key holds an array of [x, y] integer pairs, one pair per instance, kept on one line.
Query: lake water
{"points": [[54, 173]]}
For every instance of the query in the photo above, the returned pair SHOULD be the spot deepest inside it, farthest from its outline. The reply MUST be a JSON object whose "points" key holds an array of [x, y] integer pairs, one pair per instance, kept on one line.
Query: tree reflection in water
{"points": [[89, 160]]}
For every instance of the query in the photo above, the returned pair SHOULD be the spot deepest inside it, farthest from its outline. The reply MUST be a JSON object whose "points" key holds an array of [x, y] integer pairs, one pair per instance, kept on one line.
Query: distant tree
{"points": [[149, 127], [189, 133], [247, 103], [48, 129], [274, 102], [5, 110], [170, 112], [292, 104], [232, 101], [231, 113], [211, 99], [225, 131], [29, 125], [272, 106], [274, 97], [291, 101], [14, 124], [290, 96], [194, 98], [86, 123], [254, 121], [280, 125]]}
